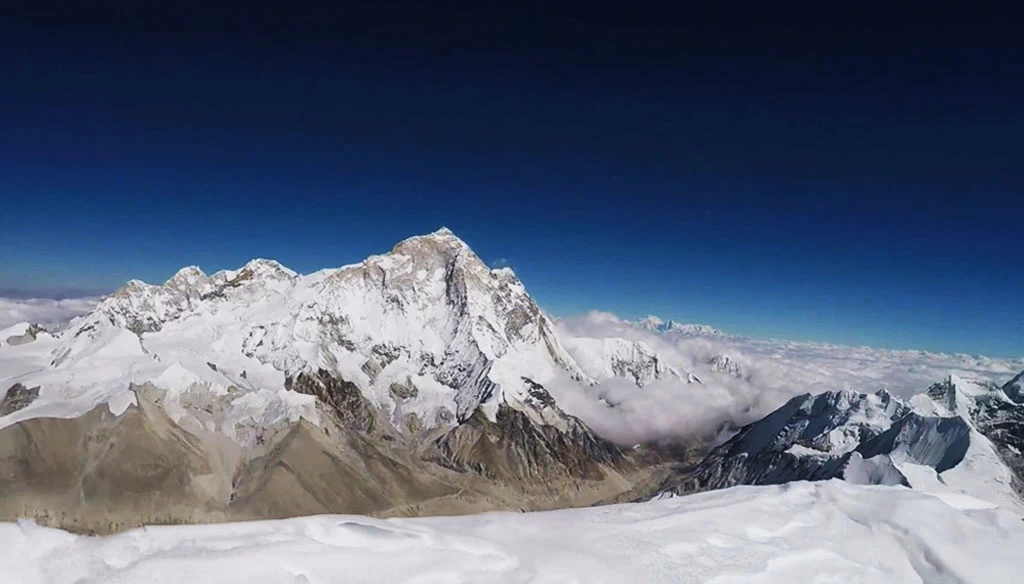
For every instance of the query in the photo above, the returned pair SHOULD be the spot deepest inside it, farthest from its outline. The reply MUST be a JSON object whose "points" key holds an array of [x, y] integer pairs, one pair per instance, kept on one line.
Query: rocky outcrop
{"points": [[342, 397], [30, 334], [514, 447], [17, 397]]}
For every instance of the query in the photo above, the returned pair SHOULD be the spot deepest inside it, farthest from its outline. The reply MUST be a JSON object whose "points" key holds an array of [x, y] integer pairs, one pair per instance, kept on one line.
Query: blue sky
{"points": [[871, 198]]}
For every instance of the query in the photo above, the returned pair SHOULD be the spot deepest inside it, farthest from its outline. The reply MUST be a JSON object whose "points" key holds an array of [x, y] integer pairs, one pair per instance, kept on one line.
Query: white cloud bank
{"points": [[43, 311], [765, 373]]}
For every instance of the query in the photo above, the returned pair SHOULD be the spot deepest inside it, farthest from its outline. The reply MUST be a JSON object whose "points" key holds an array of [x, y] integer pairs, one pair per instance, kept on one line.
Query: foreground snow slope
{"points": [[814, 532]]}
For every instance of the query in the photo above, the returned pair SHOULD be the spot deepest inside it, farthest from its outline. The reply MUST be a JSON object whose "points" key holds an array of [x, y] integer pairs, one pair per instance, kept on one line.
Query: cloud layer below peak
{"points": [[744, 379], [43, 311]]}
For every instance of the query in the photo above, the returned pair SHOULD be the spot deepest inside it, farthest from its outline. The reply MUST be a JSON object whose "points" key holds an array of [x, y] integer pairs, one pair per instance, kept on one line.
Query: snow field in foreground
{"points": [[807, 532]]}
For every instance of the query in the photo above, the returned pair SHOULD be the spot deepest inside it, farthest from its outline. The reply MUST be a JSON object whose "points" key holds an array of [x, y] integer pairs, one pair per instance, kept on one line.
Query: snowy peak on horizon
{"points": [[654, 324], [443, 240]]}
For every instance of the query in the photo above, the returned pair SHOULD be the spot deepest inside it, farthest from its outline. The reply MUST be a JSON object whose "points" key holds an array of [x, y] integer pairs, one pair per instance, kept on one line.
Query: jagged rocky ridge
{"points": [[963, 436]]}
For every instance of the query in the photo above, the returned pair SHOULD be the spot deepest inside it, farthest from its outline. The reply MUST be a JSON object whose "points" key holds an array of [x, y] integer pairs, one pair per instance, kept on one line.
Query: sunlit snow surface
{"points": [[806, 532]]}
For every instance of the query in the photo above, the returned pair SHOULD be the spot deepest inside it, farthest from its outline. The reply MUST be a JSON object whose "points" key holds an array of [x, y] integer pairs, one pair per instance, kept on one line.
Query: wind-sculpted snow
{"points": [[825, 532]]}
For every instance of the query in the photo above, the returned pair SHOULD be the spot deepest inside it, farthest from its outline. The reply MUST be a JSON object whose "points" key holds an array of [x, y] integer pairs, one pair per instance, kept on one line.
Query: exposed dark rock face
{"points": [[380, 357], [404, 390], [17, 397], [30, 335], [514, 447], [537, 396], [342, 397], [464, 370]]}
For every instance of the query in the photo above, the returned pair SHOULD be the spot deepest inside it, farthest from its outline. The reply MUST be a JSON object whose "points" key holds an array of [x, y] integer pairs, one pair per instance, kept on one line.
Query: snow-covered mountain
{"points": [[723, 363], [427, 333], [616, 357], [654, 324], [961, 436], [422, 360]]}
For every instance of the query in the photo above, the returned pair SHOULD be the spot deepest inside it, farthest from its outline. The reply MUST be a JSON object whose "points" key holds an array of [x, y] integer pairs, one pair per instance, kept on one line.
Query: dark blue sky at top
{"points": [[852, 176]]}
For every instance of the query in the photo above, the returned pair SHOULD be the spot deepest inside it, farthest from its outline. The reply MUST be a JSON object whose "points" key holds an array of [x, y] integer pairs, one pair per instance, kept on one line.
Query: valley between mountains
{"points": [[423, 382]]}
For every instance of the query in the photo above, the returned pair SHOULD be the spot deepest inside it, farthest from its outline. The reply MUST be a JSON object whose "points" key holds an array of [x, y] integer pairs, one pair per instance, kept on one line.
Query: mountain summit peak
{"points": [[263, 266], [439, 245]]}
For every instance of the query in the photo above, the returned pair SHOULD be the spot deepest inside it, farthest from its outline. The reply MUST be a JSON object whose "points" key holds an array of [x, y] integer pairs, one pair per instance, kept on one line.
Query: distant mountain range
{"points": [[655, 324]]}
